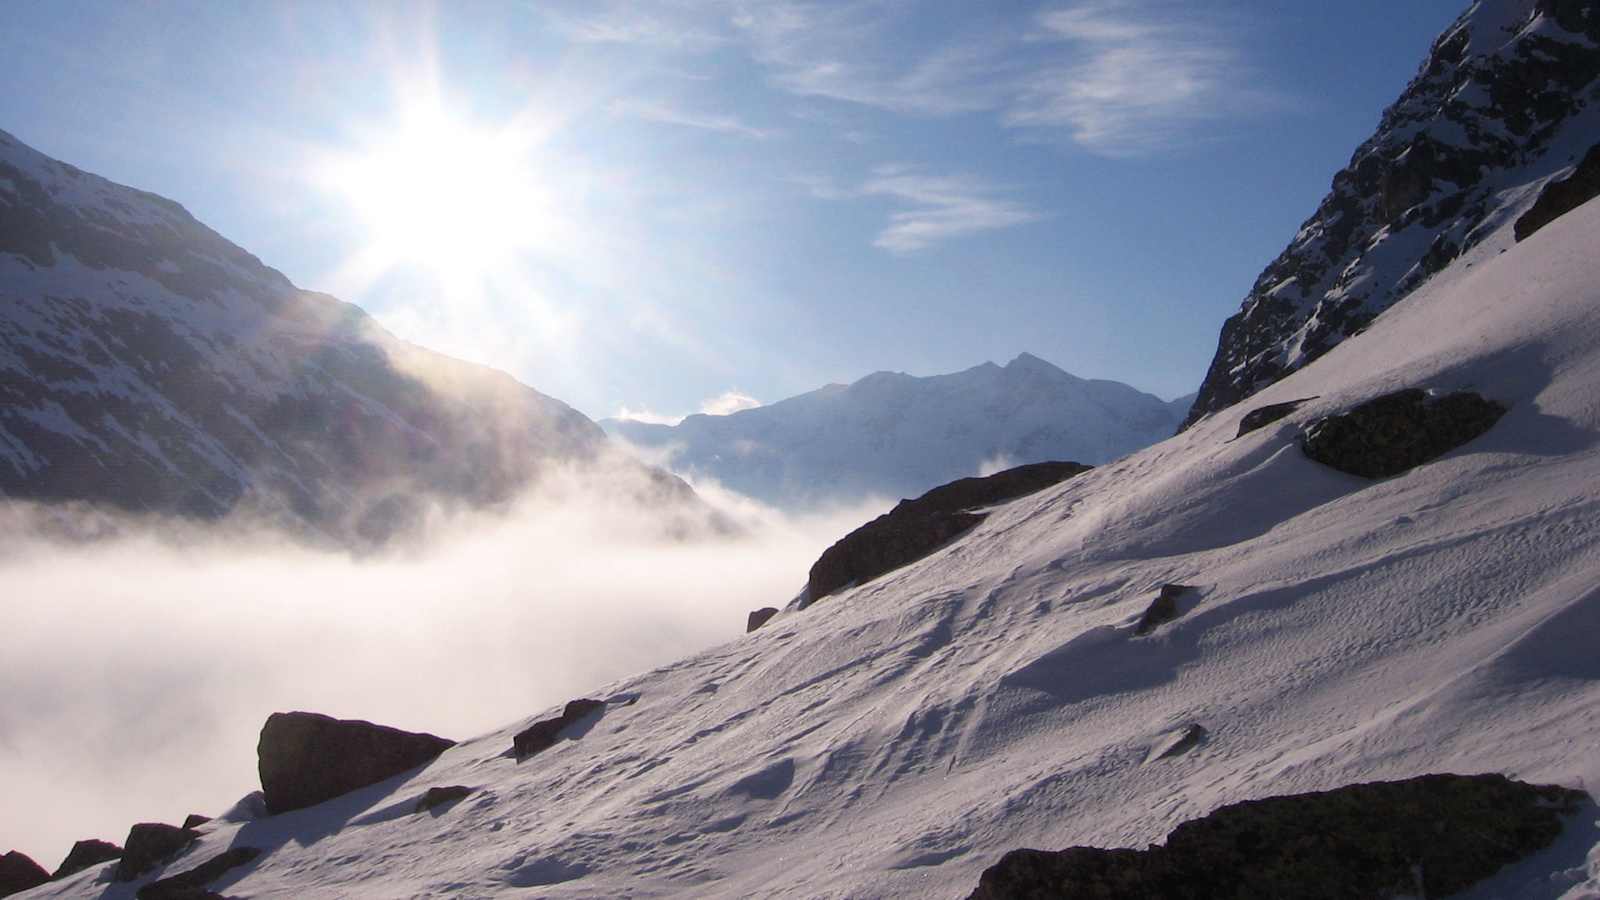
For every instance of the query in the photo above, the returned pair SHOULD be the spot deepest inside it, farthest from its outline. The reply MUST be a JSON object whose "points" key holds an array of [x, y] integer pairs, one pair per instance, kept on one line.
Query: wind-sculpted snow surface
{"points": [[149, 365], [901, 737], [1504, 104]]}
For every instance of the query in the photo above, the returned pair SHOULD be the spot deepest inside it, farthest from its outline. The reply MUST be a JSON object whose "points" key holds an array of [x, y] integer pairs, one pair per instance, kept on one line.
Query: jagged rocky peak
{"points": [[1504, 102]]}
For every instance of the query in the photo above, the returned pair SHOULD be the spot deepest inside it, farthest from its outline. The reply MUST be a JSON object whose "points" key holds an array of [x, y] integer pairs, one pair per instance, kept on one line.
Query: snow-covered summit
{"points": [[896, 435], [1505, 102], [148, 364]]}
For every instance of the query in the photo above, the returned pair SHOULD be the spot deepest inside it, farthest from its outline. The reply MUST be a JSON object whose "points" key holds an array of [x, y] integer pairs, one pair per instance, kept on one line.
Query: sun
{"points": [[441, 195]]}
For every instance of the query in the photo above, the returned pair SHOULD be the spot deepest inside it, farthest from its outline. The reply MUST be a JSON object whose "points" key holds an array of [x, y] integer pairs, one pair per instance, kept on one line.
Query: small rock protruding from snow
{"points": [[1396, 432], [195, 820], [18, 873], [191, 885], [1163, 609], [1266, 415], [86, 853], [1430, 836], [541, 735], [759, 617], [1180, 742], [305, 758], [149, 843], [442, 796]]}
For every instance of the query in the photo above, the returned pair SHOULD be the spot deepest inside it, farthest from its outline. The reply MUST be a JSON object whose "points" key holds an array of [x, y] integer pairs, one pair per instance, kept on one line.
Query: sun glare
{"points": [[441, 195]]}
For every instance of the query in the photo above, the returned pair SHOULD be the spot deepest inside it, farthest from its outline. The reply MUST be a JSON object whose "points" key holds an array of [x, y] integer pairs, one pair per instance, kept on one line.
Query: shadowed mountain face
{"points": [[1503, 104], [149, 365], [897, 435]]}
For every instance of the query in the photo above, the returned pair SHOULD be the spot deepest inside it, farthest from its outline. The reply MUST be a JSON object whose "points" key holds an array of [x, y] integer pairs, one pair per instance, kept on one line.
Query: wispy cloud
{"points": [[1119, 78], [723, 404], [727, 403], [627, 413], [1135, 79], [666, 114], [850, 51], [939, 208], [634, 25]]}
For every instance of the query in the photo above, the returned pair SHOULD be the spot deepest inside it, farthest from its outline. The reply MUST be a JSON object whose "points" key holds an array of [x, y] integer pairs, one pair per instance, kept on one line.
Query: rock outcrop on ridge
{"points": [[915, 528], [1503, 104]]}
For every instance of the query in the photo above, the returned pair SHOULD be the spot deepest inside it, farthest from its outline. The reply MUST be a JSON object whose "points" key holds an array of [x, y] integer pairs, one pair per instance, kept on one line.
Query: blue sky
{"points": [[655, 205]]}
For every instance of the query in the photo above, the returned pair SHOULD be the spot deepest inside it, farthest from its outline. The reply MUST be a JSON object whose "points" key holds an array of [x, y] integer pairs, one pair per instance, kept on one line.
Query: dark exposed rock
{"points": [[195, 820], [759, 618], [1483, 116], [88, 853], [1429, 836], [18, 873], [915, 528], [541, 735], [191, 885], [150, 843], [1163, 609], [1193, 734], [1390, 434], [306, 758], [1265, 415], [440, 796], [1561, 197]]}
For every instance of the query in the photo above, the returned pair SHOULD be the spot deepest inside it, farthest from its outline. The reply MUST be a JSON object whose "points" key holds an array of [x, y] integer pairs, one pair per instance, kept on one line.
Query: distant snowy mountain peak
{"points": [[1504, 103], [895, 435], [149, 365]]}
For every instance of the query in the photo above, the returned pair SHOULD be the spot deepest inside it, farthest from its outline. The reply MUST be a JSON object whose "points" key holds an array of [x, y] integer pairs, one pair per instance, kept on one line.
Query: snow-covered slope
{"points": [[894, 435], [148, 364], [1505, 103], [896, 738]]}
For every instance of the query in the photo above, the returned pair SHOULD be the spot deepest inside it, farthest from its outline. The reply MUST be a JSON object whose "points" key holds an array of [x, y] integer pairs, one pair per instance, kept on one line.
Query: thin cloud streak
{"points": [[940, 208], [664, 114]]}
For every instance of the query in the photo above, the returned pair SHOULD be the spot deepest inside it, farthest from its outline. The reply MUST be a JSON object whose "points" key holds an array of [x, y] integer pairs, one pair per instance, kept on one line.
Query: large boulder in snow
{"points": [[87, 853], [305, 758], [1561, 197], [18, 873], [1390, 434], [150, 843], [916, 528], [1429, 837], [191, 885], [541, 735]]}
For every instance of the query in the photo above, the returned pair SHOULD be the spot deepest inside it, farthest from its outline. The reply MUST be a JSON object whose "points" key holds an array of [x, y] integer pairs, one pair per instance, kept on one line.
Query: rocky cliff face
{"points": [[149, 365], [1507, 100]]}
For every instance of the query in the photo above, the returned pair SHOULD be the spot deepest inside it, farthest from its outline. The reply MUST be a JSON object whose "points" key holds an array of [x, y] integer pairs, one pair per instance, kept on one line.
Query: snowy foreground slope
{"points": [[895, 435], [897, 738]]}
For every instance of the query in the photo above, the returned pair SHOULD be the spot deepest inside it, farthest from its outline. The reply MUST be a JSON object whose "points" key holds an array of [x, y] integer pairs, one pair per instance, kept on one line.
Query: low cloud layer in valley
{"points": [[138, 669]]}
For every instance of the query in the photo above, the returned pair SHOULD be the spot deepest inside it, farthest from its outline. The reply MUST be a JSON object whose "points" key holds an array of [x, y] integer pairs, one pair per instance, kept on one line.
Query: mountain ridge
{"points": [[1503, 103], [149, 365], [895, 434]]}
